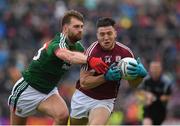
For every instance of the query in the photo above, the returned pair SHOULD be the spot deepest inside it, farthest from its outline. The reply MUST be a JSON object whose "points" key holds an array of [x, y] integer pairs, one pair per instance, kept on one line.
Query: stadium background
{"points": [[151, 28]]}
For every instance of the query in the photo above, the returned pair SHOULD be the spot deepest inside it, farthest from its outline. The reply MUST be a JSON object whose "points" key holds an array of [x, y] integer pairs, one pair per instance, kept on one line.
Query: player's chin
{"points": [[78, 37], [106, 47], [75, 39]]}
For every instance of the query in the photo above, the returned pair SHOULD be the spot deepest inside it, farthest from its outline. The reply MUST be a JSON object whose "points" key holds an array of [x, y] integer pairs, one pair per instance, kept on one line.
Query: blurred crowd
{"points": [[151, 28]]}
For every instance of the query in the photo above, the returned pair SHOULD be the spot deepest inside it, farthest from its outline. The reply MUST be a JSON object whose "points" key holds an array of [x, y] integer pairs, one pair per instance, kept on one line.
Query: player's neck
{"points": [[69, 40]]}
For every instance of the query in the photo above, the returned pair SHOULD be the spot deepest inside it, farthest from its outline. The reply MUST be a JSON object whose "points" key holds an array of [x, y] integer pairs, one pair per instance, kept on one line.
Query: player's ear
{"points": [[115, 33], [97, 34], [65, 28]]}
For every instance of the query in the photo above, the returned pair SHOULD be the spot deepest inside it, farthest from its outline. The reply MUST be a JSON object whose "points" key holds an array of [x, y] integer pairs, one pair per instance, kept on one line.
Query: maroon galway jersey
{"points": [[109, 89]]}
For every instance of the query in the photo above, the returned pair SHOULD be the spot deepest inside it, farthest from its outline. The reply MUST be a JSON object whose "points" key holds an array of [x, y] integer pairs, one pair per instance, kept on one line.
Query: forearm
{"points": [[77, 58], [92, 81], [135, 83], [164, 98], [71, 57]]}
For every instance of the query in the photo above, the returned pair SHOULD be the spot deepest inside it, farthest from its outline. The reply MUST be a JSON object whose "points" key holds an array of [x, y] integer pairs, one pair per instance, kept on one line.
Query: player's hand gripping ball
{"points": [[132, 68], [123, 64]]}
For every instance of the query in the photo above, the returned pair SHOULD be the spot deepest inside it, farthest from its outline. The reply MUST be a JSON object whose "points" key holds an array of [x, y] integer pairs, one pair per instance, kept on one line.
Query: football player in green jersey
{"points": [[37, 89]]}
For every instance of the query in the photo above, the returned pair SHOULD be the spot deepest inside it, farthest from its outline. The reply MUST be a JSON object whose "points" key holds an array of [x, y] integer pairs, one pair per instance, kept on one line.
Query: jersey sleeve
{"points": [[55, 44]]}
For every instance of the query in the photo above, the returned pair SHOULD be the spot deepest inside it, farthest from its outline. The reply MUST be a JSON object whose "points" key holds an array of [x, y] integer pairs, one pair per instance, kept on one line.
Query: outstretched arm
{"points": [[73, 57], [135, 83]]}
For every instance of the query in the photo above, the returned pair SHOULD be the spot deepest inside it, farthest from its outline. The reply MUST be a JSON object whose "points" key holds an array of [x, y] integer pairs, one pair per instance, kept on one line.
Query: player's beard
{"points": [[74, 38]]}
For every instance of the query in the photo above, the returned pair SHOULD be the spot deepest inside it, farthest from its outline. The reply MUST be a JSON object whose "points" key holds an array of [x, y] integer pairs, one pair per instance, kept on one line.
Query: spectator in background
{"points": [[157, 91], [173, 107]]}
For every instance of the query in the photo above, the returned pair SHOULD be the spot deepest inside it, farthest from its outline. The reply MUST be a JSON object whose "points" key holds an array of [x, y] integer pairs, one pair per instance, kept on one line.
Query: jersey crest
{"points": [[107, 59]]}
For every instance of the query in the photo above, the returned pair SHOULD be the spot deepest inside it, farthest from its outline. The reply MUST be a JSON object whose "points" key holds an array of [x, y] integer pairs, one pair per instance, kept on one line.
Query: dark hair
{"points": [[69, 14], [105, 21]]}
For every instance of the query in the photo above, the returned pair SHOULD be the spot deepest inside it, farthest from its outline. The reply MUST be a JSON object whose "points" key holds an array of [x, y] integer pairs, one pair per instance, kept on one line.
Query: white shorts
{"points": [[81, 105], [24, 99]]}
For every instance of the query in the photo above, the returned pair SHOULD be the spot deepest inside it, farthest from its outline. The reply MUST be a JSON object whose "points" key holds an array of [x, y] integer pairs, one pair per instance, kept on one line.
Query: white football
{"points": [[123, 65]]}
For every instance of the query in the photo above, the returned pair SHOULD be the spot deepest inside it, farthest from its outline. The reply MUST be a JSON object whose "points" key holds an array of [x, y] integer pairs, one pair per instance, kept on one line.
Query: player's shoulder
{"points": [[125, 48], [93, 45], [59, 37], [91, 48], [120, 45]]}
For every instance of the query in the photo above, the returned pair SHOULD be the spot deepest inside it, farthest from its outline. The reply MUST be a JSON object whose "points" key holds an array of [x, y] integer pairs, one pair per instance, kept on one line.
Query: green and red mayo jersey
{"points": [[109, 89], [46, 69]]}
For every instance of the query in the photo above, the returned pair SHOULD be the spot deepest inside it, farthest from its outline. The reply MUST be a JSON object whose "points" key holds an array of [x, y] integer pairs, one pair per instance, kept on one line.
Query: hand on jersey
{"points": [[97, 64], [113, 73], [136, 69]]}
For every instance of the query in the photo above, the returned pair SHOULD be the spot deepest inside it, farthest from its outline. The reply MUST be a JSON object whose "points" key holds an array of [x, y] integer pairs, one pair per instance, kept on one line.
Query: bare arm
{"points": [[135, 83], [71, 57], [165, 98], [88, 81]]}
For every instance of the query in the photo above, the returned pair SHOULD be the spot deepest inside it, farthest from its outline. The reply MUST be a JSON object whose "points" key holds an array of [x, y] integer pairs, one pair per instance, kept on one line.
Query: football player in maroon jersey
{"points": [[93, 100]]}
